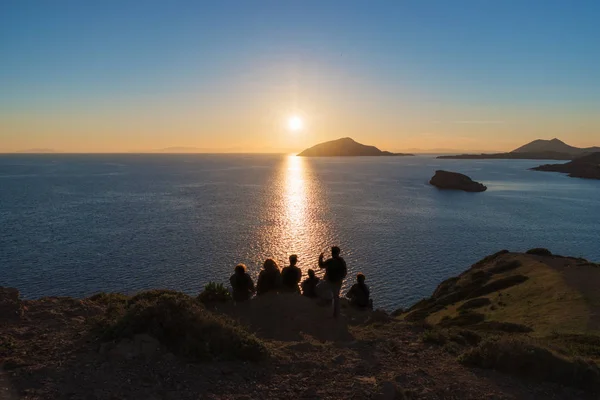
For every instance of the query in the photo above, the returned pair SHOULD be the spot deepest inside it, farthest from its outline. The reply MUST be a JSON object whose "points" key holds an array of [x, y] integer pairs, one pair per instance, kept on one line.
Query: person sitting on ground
{"points": [[359, 293], [291, 276], [309, 285], [242, 284], [335, 272], [269, 278]]}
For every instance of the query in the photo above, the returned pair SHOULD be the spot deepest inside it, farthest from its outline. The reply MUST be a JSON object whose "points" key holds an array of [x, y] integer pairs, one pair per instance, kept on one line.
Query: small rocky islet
{"points": [[454, 181]]}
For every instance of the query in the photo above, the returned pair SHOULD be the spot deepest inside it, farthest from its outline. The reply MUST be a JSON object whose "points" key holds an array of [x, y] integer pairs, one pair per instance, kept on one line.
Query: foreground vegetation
{"points": [[180, 323], [530, 320]]}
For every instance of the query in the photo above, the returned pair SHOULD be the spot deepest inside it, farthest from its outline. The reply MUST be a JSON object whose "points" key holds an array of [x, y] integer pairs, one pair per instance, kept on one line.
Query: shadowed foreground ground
{"points": [[284, 347]]}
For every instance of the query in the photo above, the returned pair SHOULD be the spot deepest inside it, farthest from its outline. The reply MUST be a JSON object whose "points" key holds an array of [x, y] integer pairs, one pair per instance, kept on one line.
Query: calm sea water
{"points": [[78, 224]]}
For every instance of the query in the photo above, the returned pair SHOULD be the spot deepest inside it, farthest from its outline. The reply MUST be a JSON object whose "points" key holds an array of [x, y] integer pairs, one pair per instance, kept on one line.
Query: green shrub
{"points": [[185, 327], [109, 298], [538, 251], [464, 318], [582, 345], [214, 293], [503, 327], [155, 294], [505, 266], [475, 303], [526, 359], [498, 284], [435, 336]]}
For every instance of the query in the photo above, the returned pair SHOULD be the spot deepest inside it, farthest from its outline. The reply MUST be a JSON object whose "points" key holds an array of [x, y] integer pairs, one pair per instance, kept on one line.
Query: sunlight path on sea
{"points": [[302, 230]]}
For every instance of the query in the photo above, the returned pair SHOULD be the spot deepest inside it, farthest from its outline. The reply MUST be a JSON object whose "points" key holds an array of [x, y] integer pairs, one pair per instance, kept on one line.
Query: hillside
{"points": [[511, 156], [345, 147], [554, 145], [539, 149], [541, 332], [587, 167]]}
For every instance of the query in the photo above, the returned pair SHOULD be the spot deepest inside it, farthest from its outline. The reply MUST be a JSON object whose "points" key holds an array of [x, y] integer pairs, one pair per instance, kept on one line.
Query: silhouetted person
{"points": [[335, 272], [269, 279], [241, 283], [309, 285], [359, 293], [291, 275]]}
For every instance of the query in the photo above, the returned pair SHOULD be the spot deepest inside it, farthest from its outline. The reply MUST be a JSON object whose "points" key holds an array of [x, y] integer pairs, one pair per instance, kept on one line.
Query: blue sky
{"points": [[83, 75]]}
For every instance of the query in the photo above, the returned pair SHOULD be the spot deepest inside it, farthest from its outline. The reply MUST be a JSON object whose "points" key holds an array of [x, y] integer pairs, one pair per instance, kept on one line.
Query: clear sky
{"points": [[103, 76]]}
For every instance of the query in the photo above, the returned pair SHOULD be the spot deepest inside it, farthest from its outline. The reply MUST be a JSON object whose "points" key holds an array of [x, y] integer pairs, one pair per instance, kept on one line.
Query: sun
{"points": [[295, 123]]}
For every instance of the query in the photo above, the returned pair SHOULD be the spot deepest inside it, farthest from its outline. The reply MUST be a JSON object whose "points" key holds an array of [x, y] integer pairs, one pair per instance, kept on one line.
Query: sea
{"points": [[75, 225]]}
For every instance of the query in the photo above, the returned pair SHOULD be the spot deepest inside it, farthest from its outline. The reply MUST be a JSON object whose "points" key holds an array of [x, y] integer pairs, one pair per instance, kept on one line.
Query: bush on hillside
{"points": [[464, 318], [108, 298], [497, 326], [185, 327], [214, 293], [538, 251], [475, 303], [505, 266], [498, 284], [526, 359]]}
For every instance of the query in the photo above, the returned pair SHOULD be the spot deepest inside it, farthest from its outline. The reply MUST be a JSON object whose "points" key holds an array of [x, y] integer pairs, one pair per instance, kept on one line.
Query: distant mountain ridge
{"points": [[554, 145], [37, 151], [346, 147], [539, 149]]}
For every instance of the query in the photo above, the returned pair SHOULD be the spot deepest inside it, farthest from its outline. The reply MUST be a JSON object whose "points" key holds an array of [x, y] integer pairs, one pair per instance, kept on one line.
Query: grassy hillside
{"points": [[534, 315]]}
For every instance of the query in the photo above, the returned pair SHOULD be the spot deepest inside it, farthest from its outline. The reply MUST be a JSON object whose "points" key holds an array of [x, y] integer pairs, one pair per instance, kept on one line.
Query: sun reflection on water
{"points": [[300, 209]]}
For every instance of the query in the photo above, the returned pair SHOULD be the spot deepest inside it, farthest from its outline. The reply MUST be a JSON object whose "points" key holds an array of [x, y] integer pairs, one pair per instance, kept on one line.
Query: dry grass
{"points": [[526, 358]]}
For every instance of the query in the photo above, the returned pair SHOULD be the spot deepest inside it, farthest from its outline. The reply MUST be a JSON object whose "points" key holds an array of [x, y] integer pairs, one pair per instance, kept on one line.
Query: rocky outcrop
{"points": [[456, 181], [587, 167]]}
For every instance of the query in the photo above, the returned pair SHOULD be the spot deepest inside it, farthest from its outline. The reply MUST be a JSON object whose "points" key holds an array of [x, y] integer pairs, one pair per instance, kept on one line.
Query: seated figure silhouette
{"points": [[359, 293], [269, 278], [291, 276], [242, 284], [309, 285]]}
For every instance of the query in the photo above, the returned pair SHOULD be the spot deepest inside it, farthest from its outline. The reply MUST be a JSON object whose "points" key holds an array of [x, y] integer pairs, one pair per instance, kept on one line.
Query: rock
{"points": [[338, 360], [145, 345], [379, 316], [398, 312], [310, 393], [389, 391], [124, 350], [455, 181]]}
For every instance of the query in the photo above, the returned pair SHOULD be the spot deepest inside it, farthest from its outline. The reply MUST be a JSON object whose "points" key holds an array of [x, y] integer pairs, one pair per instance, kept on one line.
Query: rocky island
{"points": [[587, 167], [540, 149], [512, 326], [455, 181], [346, 147]]}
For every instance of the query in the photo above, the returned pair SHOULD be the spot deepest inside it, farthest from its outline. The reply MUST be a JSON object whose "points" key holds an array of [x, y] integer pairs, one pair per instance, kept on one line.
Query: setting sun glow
{"points": [[295, 123]]}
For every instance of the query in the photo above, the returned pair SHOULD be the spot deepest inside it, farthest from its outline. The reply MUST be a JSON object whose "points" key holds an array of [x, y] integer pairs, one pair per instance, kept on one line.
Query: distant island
{"points": [[37, 151], [540, 149], [587, 167], [346, 147]]}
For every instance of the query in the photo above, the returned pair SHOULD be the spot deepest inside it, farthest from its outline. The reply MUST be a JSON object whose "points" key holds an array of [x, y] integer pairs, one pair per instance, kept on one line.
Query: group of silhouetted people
{"points": [[271, 279]]}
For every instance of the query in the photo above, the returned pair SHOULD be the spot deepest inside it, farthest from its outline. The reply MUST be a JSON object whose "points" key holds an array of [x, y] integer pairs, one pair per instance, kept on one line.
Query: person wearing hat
{"points": [[291, 276]]}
